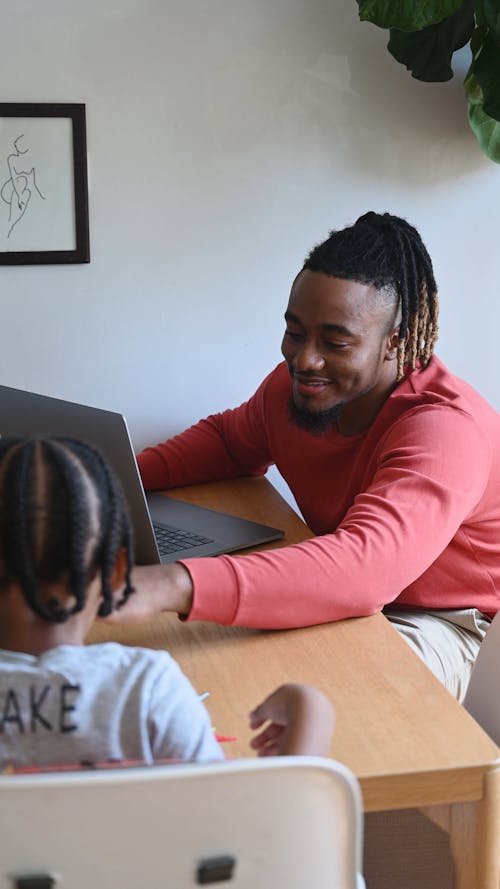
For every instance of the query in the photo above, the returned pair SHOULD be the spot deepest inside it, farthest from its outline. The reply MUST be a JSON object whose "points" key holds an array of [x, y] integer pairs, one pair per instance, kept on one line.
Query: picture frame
{"points": [[43, 184]]}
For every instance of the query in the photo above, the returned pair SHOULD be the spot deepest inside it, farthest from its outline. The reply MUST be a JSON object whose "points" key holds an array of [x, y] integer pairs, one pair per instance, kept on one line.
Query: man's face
{"points": [[340, 344]]}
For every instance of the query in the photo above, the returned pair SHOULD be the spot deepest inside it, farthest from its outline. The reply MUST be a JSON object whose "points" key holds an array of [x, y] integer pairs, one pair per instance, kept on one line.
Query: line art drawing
{"points": [[17, 190]]}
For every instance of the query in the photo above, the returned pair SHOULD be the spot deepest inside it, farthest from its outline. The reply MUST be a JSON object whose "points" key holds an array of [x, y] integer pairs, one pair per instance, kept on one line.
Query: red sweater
{"points": [[407, 512]]}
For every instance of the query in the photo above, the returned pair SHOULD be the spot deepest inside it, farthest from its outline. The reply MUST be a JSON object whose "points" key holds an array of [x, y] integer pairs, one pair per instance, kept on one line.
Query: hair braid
{"points": [[118, 529], [388, 253], [115, 522], [61, 461], [18, 484]]}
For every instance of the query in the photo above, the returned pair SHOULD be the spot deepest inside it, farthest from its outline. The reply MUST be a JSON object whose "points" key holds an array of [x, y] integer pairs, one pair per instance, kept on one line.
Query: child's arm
{"points": [[300, 720]]}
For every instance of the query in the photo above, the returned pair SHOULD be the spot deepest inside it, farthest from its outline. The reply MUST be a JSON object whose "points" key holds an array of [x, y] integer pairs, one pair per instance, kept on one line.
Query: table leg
{"points": [[475, 838]]}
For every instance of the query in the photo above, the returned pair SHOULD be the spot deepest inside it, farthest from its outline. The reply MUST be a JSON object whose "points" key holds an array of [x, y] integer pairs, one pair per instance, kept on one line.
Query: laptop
{"points": [[165, 529]]}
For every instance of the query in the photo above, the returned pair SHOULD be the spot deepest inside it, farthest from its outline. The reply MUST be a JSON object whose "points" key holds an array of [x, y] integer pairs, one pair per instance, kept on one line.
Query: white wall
{"points": [[225, 138]]}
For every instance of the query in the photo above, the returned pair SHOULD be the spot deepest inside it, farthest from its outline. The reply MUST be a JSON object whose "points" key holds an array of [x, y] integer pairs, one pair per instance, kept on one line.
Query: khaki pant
{"points": [[447, 641]]}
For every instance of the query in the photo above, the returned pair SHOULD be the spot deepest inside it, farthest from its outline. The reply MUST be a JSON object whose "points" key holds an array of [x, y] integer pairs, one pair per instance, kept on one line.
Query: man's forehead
{"points": [[339, 304]]}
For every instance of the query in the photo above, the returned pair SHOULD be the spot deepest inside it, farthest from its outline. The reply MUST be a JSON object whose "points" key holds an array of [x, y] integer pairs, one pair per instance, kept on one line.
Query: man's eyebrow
{"points": [[338, 328], [333, 328]]}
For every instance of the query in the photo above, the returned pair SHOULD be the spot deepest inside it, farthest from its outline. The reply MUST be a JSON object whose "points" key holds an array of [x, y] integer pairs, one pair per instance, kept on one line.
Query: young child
{"points": [[66, 550]]}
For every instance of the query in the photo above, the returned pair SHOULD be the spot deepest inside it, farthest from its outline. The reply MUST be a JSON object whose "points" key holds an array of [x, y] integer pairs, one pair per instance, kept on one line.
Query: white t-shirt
{"points": [[97, 703]]}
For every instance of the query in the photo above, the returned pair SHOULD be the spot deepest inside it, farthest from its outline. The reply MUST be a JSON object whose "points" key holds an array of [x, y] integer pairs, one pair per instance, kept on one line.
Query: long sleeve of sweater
{"points": [[398, 532], [407, 512]]}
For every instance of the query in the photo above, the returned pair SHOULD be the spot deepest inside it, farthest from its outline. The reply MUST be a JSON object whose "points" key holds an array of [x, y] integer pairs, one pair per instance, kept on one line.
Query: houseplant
{"points": [[424, 36]]}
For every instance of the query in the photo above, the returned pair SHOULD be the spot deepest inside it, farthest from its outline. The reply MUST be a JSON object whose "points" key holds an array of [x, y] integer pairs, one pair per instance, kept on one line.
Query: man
{"points": [[393, 461]]}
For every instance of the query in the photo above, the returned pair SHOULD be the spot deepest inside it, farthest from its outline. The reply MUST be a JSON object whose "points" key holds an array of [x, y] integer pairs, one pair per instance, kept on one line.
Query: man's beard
{"points": [[315, 422]]}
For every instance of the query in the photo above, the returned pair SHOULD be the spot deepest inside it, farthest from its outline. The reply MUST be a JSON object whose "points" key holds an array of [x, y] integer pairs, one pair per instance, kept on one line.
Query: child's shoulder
{"points": [[90, 664], [105, 654]]}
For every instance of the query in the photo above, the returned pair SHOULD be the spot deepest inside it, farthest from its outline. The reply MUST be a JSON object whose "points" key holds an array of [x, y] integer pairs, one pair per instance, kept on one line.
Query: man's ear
{"points": [[393, 341], [119, 570]]}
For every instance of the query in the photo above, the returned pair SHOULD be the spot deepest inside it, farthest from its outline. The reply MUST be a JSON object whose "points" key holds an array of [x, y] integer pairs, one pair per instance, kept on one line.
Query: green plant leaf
{"points": [[484, 127], [491, 17], [406, 15], [473, 91], [486, 69], [480, 15], [423, 37], [486, 131], [477, 38], [427, 53]]}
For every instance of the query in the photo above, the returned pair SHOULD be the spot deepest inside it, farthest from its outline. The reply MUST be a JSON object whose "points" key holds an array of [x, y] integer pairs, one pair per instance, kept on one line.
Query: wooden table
{"points": [[410, 744]]}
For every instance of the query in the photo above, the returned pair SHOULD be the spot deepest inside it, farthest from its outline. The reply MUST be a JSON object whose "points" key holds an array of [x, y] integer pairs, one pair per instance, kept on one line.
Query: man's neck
{"points": [[358, 415]]}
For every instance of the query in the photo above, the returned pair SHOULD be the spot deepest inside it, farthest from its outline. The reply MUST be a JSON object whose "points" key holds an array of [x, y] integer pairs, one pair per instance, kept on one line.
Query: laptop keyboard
{"points": [[171, 540]]}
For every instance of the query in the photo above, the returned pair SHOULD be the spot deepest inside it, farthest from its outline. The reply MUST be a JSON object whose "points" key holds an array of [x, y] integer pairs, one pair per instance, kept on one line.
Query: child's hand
{"points": [[277, 711], [299, 719]]}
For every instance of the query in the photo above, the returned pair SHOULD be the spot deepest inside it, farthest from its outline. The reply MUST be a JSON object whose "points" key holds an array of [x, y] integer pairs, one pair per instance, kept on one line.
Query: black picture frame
{"points": [[52, 227]]}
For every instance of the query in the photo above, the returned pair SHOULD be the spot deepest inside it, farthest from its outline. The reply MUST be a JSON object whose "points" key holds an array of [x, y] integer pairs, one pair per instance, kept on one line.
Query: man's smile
{"points": [[305, 385]]}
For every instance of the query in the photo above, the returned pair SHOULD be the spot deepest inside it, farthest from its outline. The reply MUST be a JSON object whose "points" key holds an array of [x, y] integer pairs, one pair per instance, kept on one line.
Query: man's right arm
{"points": [[227, 445]]}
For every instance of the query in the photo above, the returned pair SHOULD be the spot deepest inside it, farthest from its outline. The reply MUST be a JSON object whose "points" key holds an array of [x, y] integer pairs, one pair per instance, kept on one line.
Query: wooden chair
{"points": [[280, 822]]}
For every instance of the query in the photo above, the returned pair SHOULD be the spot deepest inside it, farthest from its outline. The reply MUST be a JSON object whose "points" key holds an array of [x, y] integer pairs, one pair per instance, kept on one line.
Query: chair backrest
{"points": [[482, 699], [291, 822]]}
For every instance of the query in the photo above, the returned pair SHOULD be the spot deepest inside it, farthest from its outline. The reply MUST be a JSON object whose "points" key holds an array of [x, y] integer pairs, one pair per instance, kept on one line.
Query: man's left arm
{"points": [[430, 477]]}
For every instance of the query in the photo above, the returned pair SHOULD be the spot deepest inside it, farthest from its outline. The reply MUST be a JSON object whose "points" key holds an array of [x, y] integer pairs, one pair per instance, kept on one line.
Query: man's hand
{"points": [[157, 588]]}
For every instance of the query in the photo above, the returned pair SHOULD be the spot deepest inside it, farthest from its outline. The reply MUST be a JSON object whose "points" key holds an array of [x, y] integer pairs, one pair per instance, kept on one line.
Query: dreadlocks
{"points": [[388, 253], [62, 517]]}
